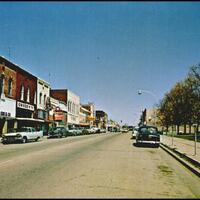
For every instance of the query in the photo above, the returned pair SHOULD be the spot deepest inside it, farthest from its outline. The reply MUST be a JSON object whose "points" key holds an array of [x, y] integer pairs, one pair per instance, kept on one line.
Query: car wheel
{"points": [[4, 142], [24, 140], [37, 139]]}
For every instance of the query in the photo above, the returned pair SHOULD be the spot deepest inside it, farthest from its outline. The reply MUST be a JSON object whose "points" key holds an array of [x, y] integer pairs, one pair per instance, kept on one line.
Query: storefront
{"points": [[7, 114], [24, 111]]}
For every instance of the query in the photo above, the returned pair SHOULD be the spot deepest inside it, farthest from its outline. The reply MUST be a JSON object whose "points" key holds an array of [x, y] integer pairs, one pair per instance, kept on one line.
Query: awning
{"points": [[30, 119], [84, 124]]}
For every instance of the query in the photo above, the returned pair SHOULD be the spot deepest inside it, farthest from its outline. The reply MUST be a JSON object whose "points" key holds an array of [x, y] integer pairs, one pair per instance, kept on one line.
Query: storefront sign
{"points": [[8, 108], [25, 106], [5, 114], [59, 116]]}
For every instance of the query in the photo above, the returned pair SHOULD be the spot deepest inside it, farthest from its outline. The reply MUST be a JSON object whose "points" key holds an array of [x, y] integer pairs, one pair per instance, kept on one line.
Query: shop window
{"points": [[28, 95], [10, 85], [22, 93]]}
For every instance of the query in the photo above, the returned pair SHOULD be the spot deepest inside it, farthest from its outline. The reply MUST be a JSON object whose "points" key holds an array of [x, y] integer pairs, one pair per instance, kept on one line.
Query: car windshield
{"points": [[23, 129], [148, 130], [12, 130]]}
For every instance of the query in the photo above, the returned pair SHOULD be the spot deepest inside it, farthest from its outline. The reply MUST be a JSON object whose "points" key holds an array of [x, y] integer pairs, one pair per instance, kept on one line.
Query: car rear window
{"points": [[148, 130]]}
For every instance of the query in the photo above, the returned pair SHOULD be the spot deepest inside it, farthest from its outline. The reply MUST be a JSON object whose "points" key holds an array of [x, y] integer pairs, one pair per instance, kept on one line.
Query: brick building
{"points": [[7, 96], [24, 93]]}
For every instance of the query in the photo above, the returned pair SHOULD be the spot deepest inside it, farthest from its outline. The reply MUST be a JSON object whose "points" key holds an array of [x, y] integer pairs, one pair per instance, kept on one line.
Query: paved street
{"points": [[101, 165]]}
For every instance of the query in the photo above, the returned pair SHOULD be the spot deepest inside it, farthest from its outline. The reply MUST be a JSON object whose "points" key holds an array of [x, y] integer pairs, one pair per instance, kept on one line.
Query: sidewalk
{"points": [[182, 146]]}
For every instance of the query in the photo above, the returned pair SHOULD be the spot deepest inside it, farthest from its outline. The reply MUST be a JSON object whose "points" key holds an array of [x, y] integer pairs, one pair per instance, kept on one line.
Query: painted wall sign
{"points": [[25, 106]]}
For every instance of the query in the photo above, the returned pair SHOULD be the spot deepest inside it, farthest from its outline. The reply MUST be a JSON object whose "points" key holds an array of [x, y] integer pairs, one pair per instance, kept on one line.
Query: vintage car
{"points": [[58, 132], [148, 135], [23, 135], [135, 132]]}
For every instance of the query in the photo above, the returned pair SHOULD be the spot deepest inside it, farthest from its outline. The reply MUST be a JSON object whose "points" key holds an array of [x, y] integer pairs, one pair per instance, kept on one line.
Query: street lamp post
{"points": [[154, 96]]}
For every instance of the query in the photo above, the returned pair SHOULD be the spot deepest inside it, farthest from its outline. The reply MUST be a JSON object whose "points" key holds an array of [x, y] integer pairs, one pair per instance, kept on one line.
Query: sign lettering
{"points": [[25, 106]]}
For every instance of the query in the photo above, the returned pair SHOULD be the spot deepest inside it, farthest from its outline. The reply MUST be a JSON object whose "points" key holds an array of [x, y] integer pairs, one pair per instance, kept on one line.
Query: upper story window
{"points": [[35, 96], [2, 83], [28, 95], [10, 85], [40, 98], [45, 99], [22, 93]]}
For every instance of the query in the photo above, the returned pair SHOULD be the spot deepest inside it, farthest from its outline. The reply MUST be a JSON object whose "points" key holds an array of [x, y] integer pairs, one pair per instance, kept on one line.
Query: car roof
{"points": [[147, 126]]}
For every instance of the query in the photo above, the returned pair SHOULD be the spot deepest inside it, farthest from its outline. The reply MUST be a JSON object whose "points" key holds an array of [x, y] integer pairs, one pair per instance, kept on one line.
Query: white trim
{"points": [[30, 119]]}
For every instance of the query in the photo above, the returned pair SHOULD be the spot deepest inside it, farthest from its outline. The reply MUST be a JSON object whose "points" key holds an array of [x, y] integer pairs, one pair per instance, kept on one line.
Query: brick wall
{"points": [[9, 74], [28, 81], [59, 94]]}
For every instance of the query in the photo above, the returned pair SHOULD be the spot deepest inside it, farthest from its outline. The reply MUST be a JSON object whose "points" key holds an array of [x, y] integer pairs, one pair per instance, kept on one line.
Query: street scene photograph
{"points": [[99, 100]]}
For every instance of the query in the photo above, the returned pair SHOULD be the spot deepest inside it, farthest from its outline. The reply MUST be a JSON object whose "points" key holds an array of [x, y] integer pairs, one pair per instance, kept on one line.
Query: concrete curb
{"points": [[192, 165]]}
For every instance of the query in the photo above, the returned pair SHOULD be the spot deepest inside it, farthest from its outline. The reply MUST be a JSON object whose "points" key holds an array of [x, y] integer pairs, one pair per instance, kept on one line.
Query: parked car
{"points": [[102, 130], [72, 132], [148, 135], [125, 130], [58, 132], [135, 132], [22, 135]]}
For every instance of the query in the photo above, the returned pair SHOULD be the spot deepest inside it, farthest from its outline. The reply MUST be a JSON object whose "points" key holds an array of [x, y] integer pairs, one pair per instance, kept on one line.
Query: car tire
{"points": [[4, 143], [24, 140]]}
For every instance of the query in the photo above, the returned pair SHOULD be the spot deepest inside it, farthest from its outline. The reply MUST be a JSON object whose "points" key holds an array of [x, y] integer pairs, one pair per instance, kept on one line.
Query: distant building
{"points": [[57, 112], [84, 115], [73, 104], [43, 98], [151, 117], [91, 117], [101, 119]]}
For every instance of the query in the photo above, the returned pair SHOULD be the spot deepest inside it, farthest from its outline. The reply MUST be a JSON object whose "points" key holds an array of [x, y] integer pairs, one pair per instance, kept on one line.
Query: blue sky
{"points": [[104, 51]]}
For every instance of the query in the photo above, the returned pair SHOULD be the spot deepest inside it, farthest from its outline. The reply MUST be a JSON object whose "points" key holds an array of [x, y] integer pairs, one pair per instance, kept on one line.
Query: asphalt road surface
{"points": [[92, 166]]}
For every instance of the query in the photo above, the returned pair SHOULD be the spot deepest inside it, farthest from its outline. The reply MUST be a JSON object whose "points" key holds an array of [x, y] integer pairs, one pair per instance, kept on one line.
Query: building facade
{"points": [[57, 113], [26, 97], [84, 115], [101, 119], [7, 96], [43, 95], [73, 104], [91, 117]]}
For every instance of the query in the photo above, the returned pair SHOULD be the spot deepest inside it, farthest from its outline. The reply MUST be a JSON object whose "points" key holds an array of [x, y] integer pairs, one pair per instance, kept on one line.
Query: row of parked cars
{"points": [[25, 134], [65, 131], [146, 135]]}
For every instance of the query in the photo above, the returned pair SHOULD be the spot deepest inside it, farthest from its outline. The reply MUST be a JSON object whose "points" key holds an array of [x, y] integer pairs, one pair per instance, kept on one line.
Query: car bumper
{"points": [[148, 142], [11, 139]]}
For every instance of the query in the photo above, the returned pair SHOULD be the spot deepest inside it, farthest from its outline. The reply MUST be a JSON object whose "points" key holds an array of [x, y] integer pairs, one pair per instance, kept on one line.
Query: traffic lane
{"points": [[10, 151], [112, 167], [19, 176]]}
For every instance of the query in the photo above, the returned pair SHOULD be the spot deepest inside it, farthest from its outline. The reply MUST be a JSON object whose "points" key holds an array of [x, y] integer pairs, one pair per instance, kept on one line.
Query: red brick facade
{"points": [[9, 75], [28, 81], [59, 94]]}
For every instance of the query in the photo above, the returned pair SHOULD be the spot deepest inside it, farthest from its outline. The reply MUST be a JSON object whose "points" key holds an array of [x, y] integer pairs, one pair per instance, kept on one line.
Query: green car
{"points": [[58, 132]]}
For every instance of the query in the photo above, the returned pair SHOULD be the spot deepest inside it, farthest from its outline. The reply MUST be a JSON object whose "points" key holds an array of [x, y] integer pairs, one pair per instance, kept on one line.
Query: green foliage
{"points": [[181, 105]]}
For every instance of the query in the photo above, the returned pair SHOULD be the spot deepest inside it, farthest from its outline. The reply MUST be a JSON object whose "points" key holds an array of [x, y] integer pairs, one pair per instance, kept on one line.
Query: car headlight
{"points": [[18, 136]]}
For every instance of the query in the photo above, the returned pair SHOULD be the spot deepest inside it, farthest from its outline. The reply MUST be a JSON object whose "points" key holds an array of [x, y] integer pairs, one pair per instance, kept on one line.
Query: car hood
{"points": [[11, 134]]}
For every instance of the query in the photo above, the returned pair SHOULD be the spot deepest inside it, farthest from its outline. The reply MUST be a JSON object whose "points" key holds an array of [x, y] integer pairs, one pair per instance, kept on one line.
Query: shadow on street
{"points": [[145, 145]]}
